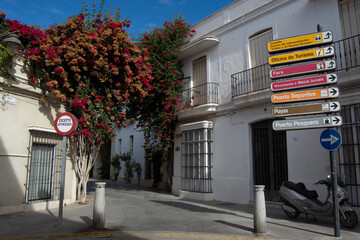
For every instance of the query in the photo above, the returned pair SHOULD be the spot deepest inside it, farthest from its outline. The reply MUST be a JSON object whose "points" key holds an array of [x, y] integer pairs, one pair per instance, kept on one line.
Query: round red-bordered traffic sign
{"points": [[65, 123]]}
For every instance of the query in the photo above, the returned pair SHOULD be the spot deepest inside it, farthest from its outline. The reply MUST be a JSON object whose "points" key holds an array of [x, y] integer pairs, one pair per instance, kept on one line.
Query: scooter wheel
{"points": [[292, 214], [351, 219]]}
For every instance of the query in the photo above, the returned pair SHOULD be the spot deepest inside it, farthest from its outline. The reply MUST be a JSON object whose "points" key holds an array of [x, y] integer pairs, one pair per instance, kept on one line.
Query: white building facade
{"points": [[30, 148], [225, 144]]}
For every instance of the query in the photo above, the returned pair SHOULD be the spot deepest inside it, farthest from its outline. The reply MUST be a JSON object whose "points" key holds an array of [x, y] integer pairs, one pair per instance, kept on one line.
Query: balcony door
{"points": [[350, 17], [259, 57], [199, 94], [350, 24]]}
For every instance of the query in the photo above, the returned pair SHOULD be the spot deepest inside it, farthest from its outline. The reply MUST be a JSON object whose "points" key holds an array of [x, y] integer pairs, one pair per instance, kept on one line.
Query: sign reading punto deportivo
{"points": [[300, 41], [65, 123]]}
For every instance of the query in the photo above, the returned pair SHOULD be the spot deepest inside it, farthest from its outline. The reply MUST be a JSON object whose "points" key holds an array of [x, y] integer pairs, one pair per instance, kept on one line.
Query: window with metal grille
{"points": [[196, 160], [349, 153], [44, 166]]}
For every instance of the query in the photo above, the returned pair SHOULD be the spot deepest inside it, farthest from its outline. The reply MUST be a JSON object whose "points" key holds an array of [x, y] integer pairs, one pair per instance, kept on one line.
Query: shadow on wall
{"points": [[12, 178]]}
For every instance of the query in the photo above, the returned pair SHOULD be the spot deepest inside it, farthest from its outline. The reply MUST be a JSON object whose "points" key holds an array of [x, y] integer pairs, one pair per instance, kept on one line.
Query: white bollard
{"points": [[99, 206], [259, 210]]}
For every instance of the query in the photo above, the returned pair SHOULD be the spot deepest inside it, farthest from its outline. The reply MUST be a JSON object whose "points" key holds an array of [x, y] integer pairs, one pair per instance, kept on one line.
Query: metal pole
{"points": [[99, 206], [259, 209], [335, 195], [62, 179]]}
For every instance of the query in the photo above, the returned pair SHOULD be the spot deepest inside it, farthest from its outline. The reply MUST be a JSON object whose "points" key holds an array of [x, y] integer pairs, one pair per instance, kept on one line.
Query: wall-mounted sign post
{"points": [[330, 139], [65, 124]]}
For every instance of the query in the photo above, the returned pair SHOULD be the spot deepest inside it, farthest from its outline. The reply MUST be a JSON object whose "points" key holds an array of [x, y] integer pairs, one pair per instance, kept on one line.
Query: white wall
{"points": [[138, 146], [23, 113], [232, 148]]}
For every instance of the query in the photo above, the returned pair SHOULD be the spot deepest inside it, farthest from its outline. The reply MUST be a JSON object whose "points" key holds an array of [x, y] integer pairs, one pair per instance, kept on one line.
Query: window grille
{"points": [[196, 160], [349, 153], [44, 166]]}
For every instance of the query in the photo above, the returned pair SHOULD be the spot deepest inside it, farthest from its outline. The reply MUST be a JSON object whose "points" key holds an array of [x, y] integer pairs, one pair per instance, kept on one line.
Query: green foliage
{"points": [[5, 60], [115, 162], [5, 57], [137, 169], [92, 15], [159, 108], [128, 172]]}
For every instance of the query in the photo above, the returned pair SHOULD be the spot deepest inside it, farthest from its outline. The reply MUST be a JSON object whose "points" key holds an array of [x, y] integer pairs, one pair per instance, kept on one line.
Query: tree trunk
{"points": [[83, 158]]}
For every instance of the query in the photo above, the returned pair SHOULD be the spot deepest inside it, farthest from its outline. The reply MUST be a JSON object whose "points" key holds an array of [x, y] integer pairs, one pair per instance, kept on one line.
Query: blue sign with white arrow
{"points": [[330, 139]]}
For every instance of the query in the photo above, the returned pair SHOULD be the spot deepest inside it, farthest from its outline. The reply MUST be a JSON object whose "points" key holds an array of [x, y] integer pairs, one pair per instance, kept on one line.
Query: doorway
{"points": [[270, 166]]}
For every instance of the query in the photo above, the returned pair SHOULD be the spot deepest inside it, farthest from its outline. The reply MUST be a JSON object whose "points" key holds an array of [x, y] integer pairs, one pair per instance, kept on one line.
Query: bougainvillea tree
{"points": [[163, 103], [95, 71]]}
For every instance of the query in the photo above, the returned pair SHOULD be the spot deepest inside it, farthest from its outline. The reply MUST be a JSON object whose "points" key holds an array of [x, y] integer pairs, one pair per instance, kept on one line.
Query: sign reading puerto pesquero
{"points": [[304, 82], [301, 56], [331, 121], [303, 69], [300, 41], [65, 123]]}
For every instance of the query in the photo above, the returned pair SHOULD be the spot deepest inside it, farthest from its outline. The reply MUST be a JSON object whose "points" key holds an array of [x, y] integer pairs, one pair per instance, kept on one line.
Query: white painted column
{"points": [[259, 209], [99, 206]]}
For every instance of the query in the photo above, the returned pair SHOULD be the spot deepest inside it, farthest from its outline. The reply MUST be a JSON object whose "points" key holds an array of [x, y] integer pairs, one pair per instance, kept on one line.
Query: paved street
{"points": [[139, 213]]}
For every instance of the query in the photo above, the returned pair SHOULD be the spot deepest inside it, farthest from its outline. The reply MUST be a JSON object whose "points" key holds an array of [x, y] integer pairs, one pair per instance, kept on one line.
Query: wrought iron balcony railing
{"points": [[251, 80], [347, 53], [207, 93], [347, 56]]}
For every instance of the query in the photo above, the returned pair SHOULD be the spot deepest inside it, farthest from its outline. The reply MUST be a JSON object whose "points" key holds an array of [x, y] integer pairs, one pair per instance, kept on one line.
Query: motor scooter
{"points": [[297, 199]]}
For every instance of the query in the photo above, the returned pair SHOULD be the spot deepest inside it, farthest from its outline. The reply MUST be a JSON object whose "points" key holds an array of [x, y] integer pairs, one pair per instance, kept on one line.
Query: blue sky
{"points": [[142, 13]]}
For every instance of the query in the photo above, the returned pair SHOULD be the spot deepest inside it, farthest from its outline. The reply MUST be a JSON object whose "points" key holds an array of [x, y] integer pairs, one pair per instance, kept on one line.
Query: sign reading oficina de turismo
{"points": [[301, 56], [65, 123]]}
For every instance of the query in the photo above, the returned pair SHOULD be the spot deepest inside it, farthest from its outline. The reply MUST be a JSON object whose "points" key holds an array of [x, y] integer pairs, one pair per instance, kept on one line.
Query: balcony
{"points": [[251, 80], [207, 93], [347, 57]]}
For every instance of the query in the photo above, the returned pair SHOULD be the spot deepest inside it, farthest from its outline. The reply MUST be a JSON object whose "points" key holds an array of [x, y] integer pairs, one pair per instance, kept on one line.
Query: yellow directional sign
{"points": [[301, 56], [300, 41]]}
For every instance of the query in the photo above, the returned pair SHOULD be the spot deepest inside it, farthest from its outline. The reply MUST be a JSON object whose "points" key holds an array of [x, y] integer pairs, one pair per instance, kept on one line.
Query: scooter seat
{"points": [[300, 188]]}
